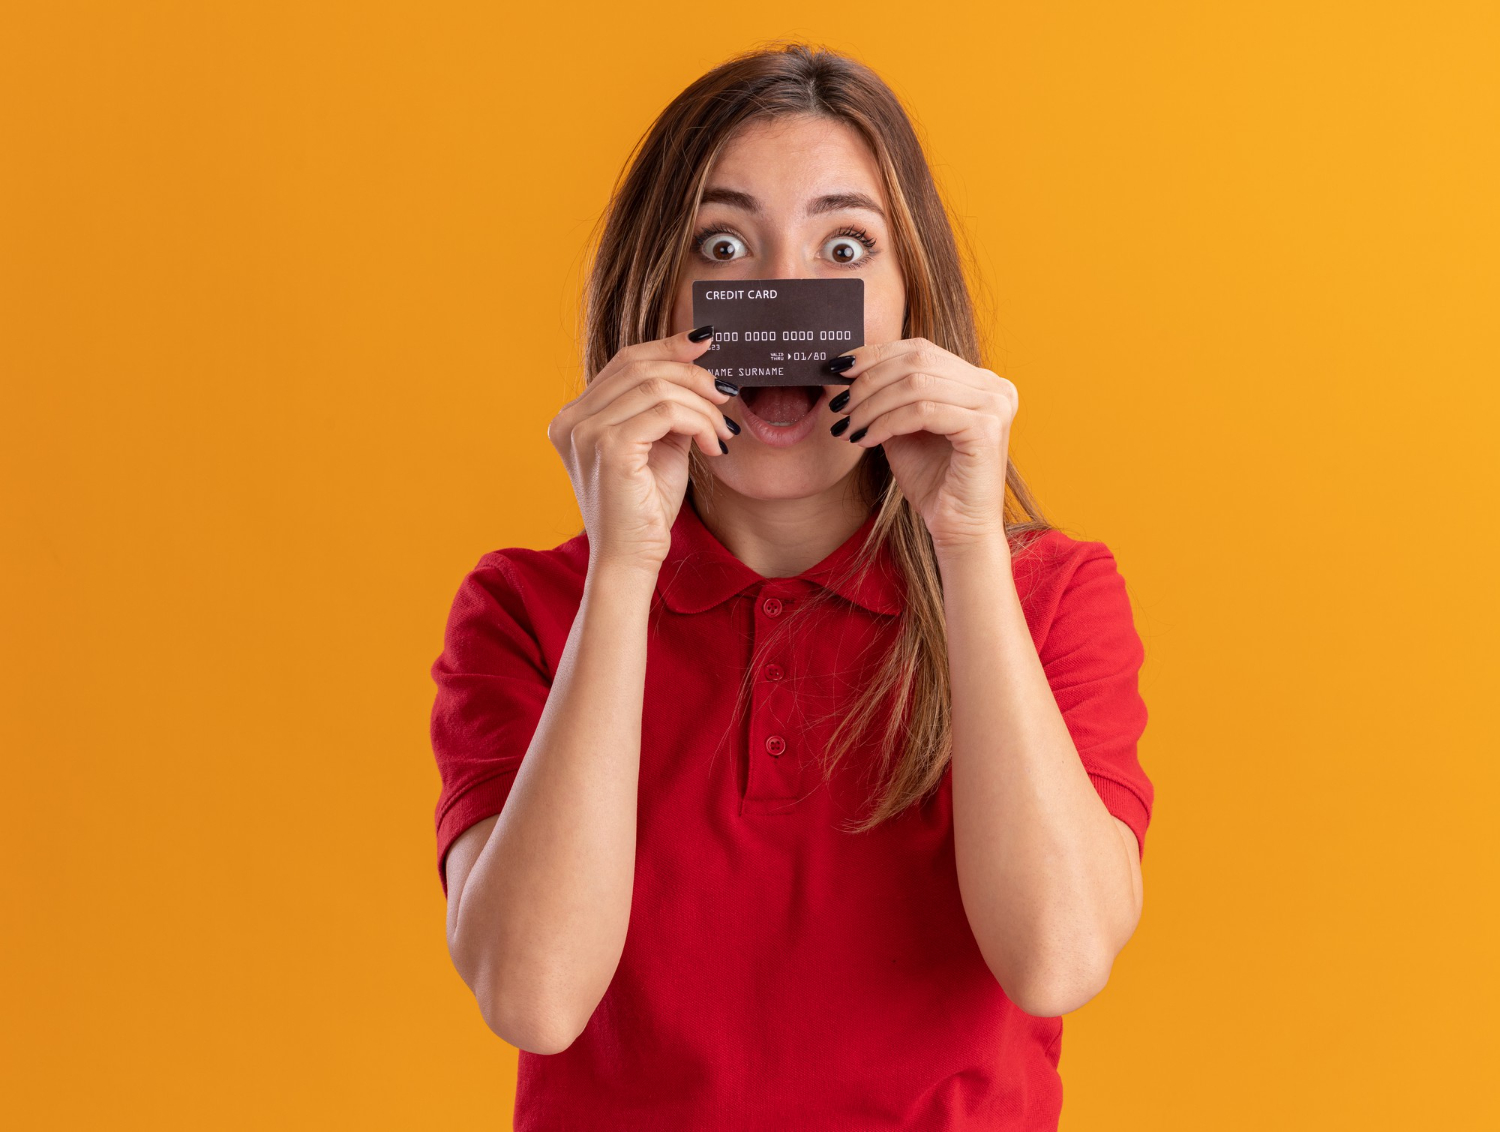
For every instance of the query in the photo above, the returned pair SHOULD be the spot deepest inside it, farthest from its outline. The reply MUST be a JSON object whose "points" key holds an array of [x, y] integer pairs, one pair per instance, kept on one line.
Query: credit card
{"points": [[779, 331]]}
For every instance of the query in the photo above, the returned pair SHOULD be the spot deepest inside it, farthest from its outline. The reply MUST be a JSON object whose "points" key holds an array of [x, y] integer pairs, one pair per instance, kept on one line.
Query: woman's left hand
{"points": [[945, 427]]}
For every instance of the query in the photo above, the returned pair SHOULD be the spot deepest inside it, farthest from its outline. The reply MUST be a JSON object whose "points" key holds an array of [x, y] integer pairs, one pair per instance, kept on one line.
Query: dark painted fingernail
{"points": [[841, 363], [840, 401], [734, 428], [701, 333], [839, 426], [724, 448], [855, 436], [726, 386]]}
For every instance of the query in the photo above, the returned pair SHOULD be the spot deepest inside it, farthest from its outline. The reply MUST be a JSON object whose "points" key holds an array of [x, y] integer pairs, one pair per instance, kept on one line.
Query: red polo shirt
{"points": [[778, 972]]}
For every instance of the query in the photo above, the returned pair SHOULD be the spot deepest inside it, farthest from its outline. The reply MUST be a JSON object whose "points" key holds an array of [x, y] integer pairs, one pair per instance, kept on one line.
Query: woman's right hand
{"points": [[625, 443]]}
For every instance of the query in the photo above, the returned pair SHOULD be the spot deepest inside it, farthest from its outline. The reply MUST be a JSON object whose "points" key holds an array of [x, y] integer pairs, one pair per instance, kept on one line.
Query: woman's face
{"points": [[793, 198]]}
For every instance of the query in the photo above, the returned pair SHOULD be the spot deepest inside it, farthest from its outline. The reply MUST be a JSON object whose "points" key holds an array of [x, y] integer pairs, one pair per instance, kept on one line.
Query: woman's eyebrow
{"points": [[830, 202]]}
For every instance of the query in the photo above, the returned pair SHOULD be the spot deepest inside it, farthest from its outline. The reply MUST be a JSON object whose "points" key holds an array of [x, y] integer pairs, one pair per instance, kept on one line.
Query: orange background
{"points": [[287, 297]]}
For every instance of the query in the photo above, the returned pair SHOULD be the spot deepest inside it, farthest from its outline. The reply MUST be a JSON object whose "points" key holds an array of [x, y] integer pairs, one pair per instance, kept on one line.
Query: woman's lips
{"points": [[781, 436], [781, 404]]}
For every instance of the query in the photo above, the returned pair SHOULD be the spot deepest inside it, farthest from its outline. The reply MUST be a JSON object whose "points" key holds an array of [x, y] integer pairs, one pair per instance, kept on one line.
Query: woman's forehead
{"points": [[791, 134], [821, 163]]}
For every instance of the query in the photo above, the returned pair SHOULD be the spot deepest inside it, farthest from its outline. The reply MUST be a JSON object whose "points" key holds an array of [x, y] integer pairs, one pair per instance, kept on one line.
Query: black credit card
{"points": [[779, 331]]}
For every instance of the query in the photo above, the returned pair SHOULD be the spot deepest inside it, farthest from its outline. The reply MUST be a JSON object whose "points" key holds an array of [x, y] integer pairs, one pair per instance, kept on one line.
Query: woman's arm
{"points": [[536, 925], [1050, 879]]}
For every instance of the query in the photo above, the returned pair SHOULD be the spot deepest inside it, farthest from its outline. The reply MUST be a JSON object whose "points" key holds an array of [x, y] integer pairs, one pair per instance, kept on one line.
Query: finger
{"points": [[868, 354], [675, 348], [662, 418], [936, 417], [640, 397], [915, 386], [920, 356], [604, 391], [709, 421], [845, 367], [875, 353], [685, 374]]}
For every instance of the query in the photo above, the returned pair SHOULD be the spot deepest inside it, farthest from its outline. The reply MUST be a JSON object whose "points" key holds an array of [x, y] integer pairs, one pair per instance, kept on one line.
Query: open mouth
{"points": [[781, 406]]}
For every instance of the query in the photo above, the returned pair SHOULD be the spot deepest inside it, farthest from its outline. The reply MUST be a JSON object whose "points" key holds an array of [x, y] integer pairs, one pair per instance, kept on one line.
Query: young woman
{"points": [[800, 789]]}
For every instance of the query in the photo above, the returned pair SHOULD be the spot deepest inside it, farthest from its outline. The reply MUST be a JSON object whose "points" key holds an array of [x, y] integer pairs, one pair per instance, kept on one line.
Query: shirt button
{"points": [[772, 606], [775, 744], [773, 672]]}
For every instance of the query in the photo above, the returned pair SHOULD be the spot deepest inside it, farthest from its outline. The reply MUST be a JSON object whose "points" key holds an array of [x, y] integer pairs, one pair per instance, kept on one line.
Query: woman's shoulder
{"points": [[1045, 550], [539, 575], [524, 592], [1054, 567], [567, 559]]}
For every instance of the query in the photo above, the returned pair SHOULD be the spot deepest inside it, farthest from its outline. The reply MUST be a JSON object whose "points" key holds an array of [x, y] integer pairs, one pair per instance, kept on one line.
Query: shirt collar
{"points": [[699, 572]]}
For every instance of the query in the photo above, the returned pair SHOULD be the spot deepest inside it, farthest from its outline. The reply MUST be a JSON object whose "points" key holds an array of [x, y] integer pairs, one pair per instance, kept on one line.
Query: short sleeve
{"points": [[492, 684], [1092, 656]]}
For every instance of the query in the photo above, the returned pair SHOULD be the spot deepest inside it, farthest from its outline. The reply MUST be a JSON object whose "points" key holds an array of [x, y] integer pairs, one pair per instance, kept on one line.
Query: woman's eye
{"points": [[845, 249], [723, 247]]}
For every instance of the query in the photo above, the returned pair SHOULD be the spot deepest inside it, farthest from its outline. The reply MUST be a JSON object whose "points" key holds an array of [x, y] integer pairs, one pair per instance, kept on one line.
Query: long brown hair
{"points": [[640, 251]]}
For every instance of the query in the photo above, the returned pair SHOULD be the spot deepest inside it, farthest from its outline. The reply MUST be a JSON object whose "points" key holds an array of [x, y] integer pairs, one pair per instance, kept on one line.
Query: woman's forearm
{"points": [[1045, 876], [545, 909]]}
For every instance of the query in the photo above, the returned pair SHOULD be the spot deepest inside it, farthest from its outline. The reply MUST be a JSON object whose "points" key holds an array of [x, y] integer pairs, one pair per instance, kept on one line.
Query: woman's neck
{"points": [[780, 538]]}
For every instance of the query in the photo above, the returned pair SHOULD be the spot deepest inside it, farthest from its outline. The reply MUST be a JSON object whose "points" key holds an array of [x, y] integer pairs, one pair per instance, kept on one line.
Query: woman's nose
{"points": [[787, 263]]}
